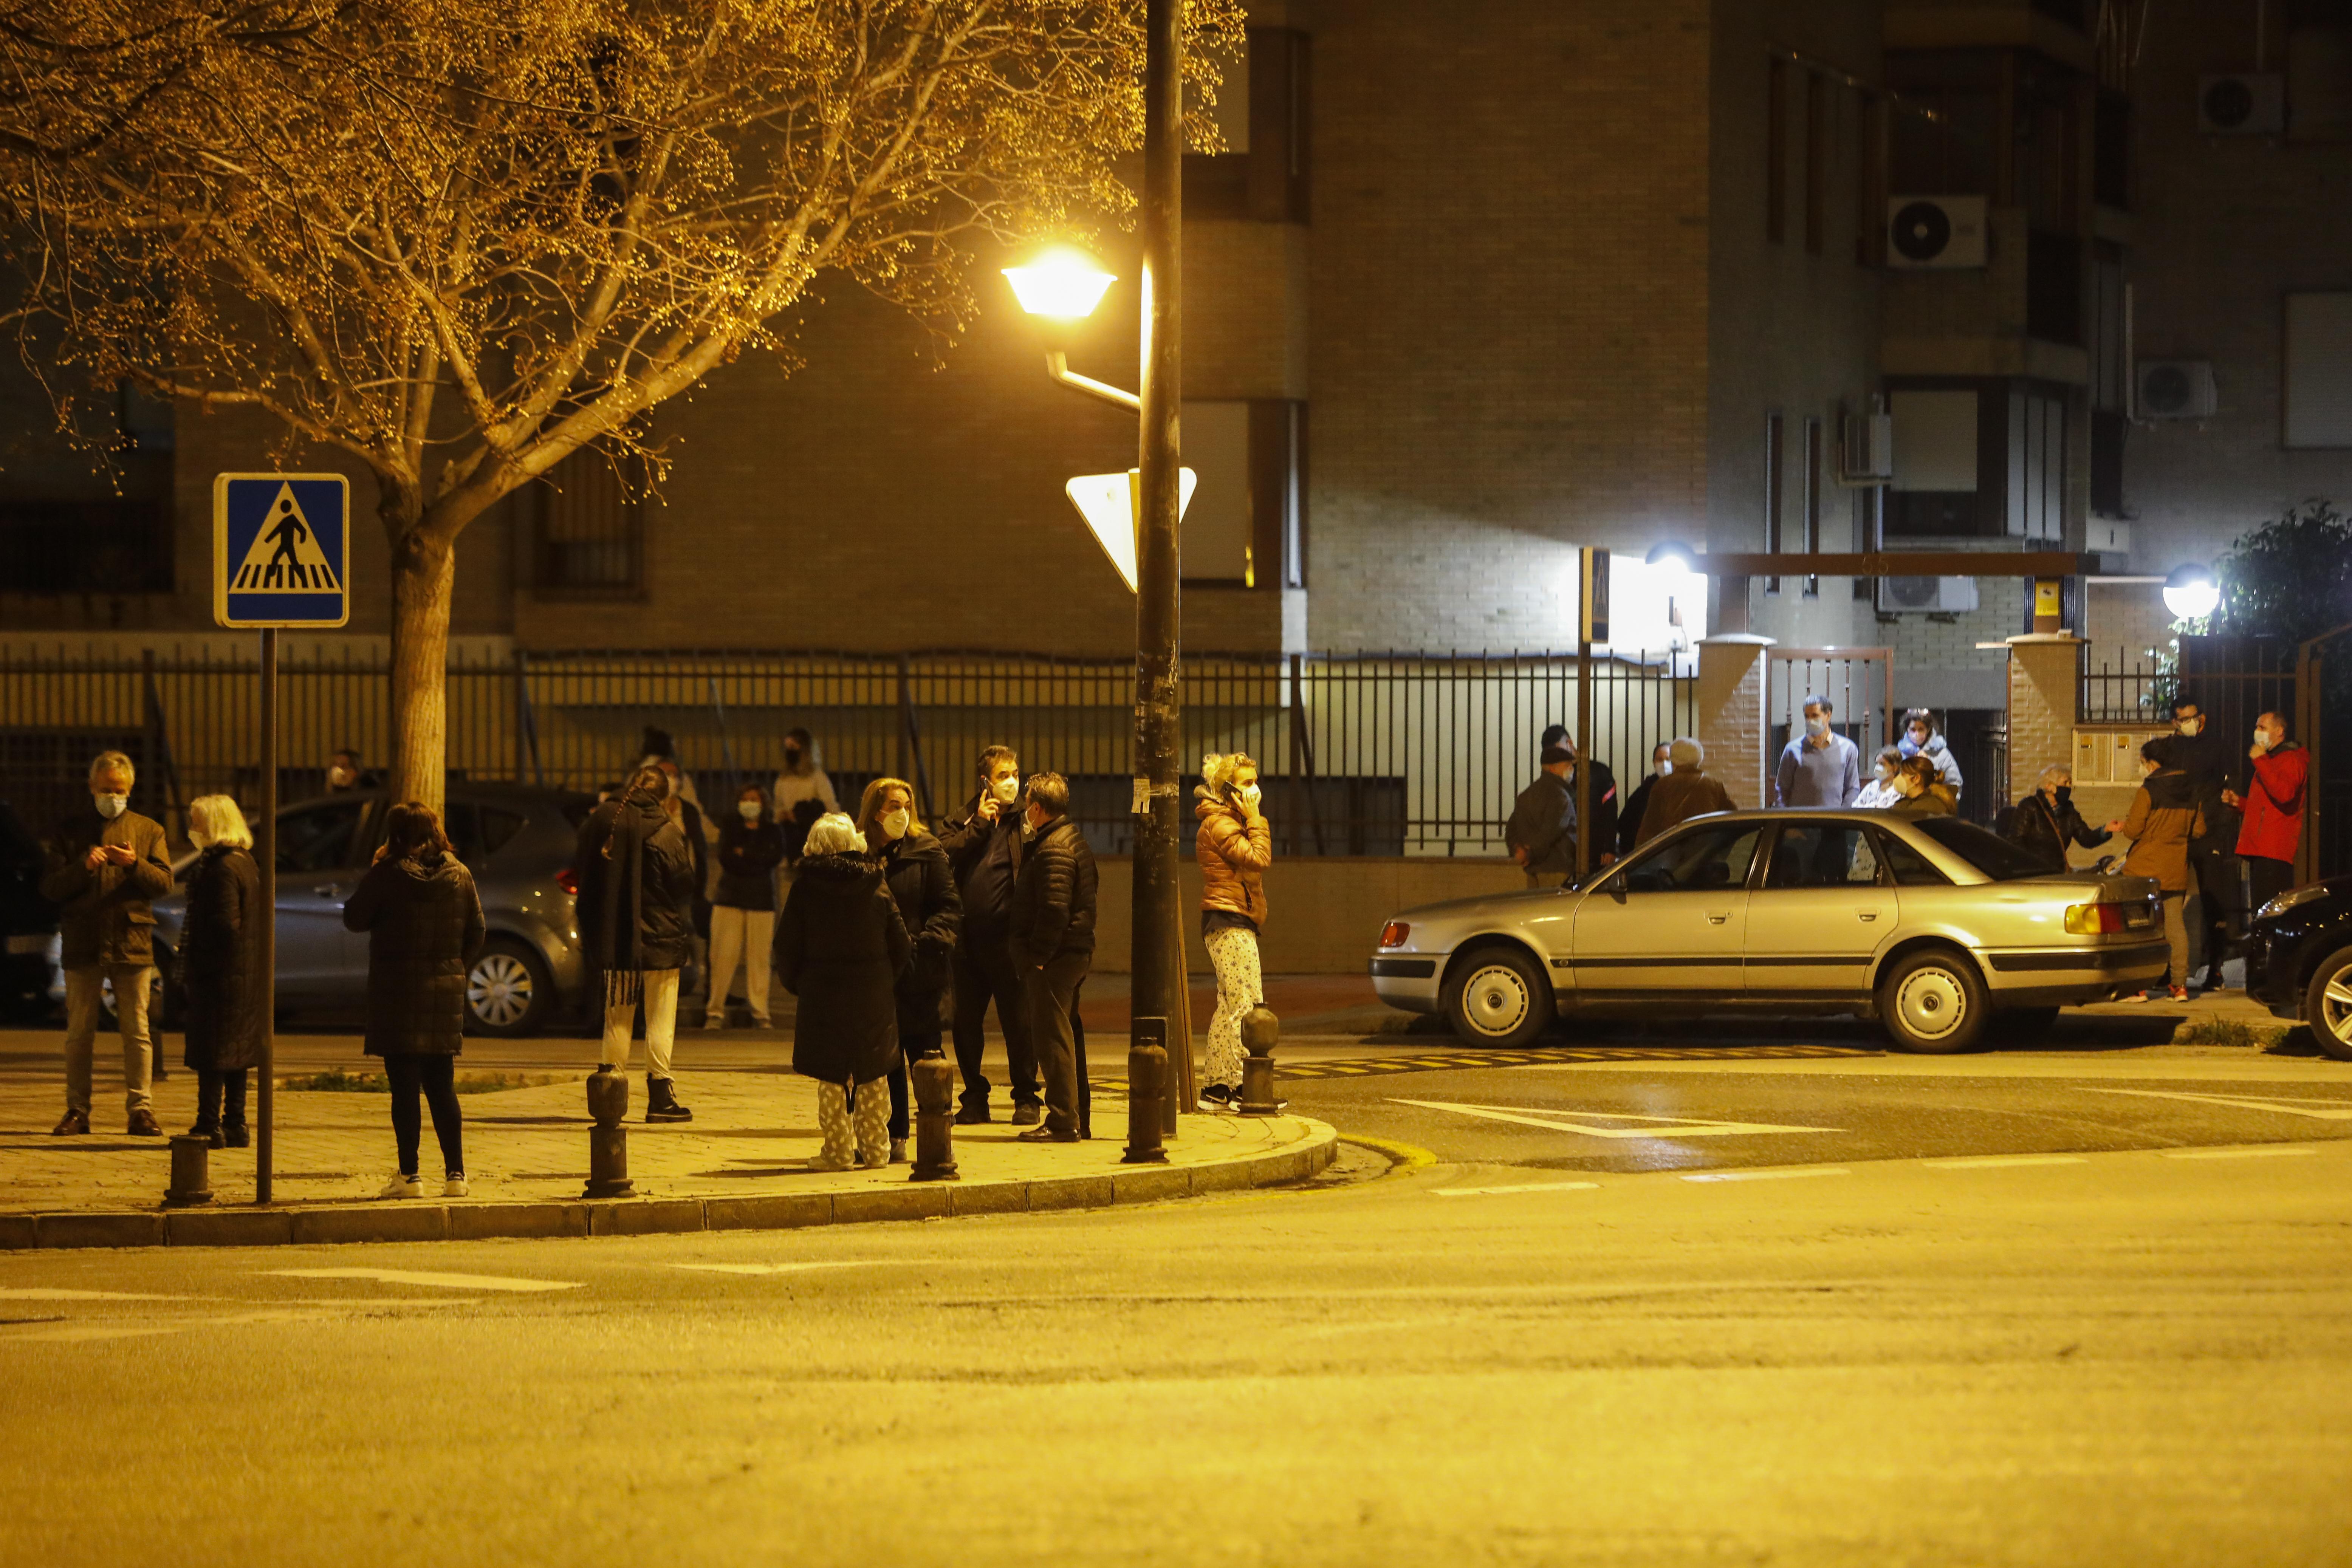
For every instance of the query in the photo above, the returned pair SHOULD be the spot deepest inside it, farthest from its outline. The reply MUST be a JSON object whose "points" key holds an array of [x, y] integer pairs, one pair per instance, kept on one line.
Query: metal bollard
{"points": [[934, 1080], [1260, 1030], [608, 1141], [1146, 1083], [192, 1182]]}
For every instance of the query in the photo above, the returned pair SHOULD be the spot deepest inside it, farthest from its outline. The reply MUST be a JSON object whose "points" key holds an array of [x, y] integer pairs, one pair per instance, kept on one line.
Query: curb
{"points": [[382, 1222]]}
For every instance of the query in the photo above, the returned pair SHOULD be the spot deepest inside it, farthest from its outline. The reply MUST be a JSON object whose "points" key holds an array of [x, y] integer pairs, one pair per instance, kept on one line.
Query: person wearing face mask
{"points": [[2215, 921], [1629, 821], [635, 918], [344, 773], [916, 870], [2045, 822], [1054, 945], [841, 948], [226, 991], [1604, 791], [984, 848], [2163, 820], [802, 792], [743, 907], [1541, 833], [1233, 846], [2273, 831], [1920, 792], [1921, 739], [105, 866], [1878, 790], [1687, 792], [1819, 767]]}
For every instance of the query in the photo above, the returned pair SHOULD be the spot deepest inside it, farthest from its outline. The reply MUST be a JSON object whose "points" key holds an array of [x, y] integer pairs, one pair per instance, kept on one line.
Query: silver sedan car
{"points": [[1931, 925]]}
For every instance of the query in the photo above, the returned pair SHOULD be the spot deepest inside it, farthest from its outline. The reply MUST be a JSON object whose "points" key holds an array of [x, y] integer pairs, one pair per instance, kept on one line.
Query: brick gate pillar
{"points": [[1731, 719], [2044, 687]]}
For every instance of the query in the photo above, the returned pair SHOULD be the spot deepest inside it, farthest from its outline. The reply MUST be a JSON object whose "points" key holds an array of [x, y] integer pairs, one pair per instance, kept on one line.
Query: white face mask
{"points": [[1886, 773], [1663, 769], [110, 807], [1250, 794], [341, 778], [1007, 789], [894, 823], [1817, 728], [2190, 726], [749, 810], [2265, 739]]}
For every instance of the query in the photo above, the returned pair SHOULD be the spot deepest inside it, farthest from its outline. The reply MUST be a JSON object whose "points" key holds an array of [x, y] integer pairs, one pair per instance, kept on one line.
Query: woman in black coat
{"points": [[923, 884], [841, 948], [221, 966], [424, 922], [2046, 822], [744, 914]]}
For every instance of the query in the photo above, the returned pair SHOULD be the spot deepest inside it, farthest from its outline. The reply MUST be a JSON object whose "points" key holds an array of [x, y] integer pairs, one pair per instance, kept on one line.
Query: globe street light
{"points": [[2190, 593]]}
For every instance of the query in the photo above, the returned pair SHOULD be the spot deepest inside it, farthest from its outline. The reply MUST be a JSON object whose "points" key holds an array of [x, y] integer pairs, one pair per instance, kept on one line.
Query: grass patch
{"points": [[340, 1082], [2235, 1033]]}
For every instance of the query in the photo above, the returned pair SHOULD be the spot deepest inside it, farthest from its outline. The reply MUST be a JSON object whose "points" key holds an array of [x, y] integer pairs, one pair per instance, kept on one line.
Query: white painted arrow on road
{"points": [[2317, 1109], [1584, 1121]]}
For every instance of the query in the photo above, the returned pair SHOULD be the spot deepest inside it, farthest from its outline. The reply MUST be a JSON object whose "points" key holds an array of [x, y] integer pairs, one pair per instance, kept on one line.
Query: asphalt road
{"points": [[2049, 1308]]}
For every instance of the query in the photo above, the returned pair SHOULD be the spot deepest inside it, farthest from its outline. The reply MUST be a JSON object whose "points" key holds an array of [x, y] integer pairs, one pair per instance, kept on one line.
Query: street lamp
{"points": [[2189, 591], [1063, 285]]}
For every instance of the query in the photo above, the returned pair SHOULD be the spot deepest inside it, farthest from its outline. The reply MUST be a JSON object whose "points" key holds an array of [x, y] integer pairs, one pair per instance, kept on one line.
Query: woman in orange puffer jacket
{"points": [[1234, 848]]}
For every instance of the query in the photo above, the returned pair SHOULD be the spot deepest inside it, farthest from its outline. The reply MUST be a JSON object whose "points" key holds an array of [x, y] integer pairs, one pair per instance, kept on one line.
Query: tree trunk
{"points": [[423, 574]]}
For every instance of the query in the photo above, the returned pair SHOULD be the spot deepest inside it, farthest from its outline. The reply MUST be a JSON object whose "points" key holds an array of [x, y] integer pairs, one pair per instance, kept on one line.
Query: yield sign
{"points": [[1591, 1123]]}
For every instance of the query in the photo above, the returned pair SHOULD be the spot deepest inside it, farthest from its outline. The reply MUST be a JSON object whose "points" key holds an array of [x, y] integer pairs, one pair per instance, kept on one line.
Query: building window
{"points": [[1246, 524], [2037, 465], [1774, 486], [1776, 150], [1277, 493], [2318, 370], [1263, 115], [1982, 459], [1941, 137], [89, 514], [1813, 501], [1817, 160], [586, 526], [1870, 183]]}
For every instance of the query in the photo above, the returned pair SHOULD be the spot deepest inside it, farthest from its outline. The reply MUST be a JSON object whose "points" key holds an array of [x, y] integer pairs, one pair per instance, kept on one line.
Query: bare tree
{"points": [[462, 240]]}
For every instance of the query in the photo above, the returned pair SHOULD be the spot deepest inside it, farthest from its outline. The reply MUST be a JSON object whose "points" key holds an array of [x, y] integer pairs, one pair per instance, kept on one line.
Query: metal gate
{"points": [[1859, 683], [2323, 720]]}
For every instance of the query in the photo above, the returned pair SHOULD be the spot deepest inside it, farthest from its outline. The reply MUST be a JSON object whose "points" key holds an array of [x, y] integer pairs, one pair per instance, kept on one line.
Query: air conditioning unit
{"points": [[2245, 105], [1866, 449], [1932, 596], [1935, 231], [2174, 389]]}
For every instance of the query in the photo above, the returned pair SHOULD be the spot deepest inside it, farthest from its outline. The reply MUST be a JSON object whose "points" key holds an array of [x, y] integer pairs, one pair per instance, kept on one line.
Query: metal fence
{"points": [[1387, 755]]}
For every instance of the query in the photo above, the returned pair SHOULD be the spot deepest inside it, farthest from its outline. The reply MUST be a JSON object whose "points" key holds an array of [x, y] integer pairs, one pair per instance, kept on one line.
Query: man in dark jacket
{"points": [[984, 847], [2212, 760], [106, 865], [635, 913], [1541, 834], [1629, 820], [1054, 944]]}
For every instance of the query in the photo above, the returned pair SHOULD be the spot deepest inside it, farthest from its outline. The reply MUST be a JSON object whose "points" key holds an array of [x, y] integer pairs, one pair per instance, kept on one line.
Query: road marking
{"points": [[1583, 1122], [1999, 1162], [1767, 1175], [1554, 1055], [2263, 1153], [1407, 1156], [2317, 1109], [1519, 1187], [46, 1293], [439, 1281], [774, 1268]]}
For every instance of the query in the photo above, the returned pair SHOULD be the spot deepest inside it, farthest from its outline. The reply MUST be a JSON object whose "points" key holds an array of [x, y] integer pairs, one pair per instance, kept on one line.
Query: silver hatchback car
{"points": [[1931, 925]]}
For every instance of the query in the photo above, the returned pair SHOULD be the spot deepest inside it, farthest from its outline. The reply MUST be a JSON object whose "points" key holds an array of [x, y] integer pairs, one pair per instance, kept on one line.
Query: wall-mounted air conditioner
{"points": [[1927, 595], [2244, 104], [1866, 449], [2107, 536], [1935, 231], [2174, 389]]}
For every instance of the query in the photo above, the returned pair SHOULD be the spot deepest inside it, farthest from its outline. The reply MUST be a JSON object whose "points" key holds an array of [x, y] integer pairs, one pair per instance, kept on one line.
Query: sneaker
{"points": [[1216, 1097], [73, 1124], [898, 1151], [2180, 993], [403, 1187], [143, 1124], [1047, 1135], [455, 1188], [713, 1025], [1028, 1115], [972, 1115]]}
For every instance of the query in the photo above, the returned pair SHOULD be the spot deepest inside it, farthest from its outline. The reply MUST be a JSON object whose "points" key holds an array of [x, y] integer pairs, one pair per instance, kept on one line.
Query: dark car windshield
{"points": [[1989, 852]]}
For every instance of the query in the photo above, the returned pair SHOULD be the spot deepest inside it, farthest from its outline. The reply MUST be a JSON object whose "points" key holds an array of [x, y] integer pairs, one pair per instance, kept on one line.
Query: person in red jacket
{"points": [[2274, 808]]}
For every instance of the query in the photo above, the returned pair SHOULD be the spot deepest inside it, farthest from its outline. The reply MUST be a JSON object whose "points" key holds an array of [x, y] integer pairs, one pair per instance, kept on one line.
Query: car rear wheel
{"points": [[1932, 1004], [2327, 1004], [509, 992], [1498, 996]]}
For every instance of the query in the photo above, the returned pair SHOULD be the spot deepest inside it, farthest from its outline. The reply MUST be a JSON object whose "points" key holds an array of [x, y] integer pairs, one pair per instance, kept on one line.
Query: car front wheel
{"points": [[1498, 996], [1932, 1004], [509, 991], [2327, 1004]]}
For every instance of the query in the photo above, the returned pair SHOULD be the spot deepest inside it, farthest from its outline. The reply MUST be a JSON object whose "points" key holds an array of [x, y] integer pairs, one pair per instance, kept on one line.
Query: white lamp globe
{"points": [[1063, 283], [2190, 593]]}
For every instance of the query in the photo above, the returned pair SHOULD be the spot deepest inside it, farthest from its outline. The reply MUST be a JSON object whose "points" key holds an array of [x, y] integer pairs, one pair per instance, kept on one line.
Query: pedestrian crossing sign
{"points": [[281, 550]]}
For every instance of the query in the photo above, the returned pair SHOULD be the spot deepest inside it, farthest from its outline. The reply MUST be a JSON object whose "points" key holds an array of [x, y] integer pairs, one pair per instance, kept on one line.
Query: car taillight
{"points": [[1394, 933], [569, 880], [2096, 920]]}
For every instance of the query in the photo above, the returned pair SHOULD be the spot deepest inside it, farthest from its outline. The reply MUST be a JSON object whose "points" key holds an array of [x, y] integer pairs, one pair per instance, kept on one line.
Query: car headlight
{"points": [[2292, 898]]}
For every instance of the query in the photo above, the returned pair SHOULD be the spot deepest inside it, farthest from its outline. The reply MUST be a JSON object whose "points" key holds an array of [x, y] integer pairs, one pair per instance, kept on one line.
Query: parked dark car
{"points": [[2299, 960], [28, 923]]}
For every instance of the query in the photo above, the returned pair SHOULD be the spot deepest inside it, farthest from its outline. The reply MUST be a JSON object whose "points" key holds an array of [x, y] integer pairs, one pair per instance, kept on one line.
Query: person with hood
{"points": [[1629, 821], [1921, 738], [424, 925], [1541, 833], [105, 866], [2045, 822], [984, 847], [1878, 790], [1233, 846], [802, 792], [226, 993], [2273, 829], [921, 883], [2163, 820], [1686, 793], [842, 947], [744, 910], [636, 915], [1054, 945], [1919, 792]]}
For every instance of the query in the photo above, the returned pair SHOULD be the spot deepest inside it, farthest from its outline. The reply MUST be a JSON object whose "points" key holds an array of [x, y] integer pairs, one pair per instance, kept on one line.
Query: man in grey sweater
{"points": [[1819, 767]]}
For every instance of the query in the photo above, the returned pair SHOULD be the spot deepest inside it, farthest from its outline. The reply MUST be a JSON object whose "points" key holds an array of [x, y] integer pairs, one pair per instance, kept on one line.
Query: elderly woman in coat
{"points": [[1233, 846], [841, 949], [221, 961], [923, 886], [424, 922]]}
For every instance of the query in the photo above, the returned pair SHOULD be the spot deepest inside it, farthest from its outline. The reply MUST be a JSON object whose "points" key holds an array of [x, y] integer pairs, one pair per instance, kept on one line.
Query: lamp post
{"points": [[2189, 591]]}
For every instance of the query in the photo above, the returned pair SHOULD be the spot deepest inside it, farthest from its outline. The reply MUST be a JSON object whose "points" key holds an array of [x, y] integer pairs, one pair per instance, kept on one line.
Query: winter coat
{"points": [[634, 911], [2211, 760], [841, 948], [1947, 767], [1234, 852], [749, 854], [1629, 821], [921, 884], [2034, 824], [2273, 826], [105, 915], [1935, 800], [1543, 823], [2162, 821], [1682, 795], [1053, 901], [986, 859], [227, 997], [424, 931]]}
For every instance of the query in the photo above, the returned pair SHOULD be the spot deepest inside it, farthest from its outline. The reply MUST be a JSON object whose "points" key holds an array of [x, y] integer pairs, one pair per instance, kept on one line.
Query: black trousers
{"points": [[220, 1097], [2218, 922], [984, 973], [914, 1045], [435, 1078], [2265, 879], [1052, 1010]]}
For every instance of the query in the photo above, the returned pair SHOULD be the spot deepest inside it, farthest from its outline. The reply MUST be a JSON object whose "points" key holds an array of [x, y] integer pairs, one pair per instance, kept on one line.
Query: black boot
{"points": [[661, 1102], [208, 1128]]}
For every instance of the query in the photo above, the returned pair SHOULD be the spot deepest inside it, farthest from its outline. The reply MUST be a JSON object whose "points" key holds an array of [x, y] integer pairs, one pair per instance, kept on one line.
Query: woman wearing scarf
{"points": [[636, 921]]}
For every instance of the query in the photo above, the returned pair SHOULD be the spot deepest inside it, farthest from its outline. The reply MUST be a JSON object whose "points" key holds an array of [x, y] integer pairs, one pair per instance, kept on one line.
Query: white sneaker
{"points": [[403, 1187], [455, 1188]]}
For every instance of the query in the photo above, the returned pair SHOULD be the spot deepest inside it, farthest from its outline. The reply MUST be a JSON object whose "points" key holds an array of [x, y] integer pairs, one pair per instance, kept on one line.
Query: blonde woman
{"points": [[915, 870], [1233, 846], [221, 961]]}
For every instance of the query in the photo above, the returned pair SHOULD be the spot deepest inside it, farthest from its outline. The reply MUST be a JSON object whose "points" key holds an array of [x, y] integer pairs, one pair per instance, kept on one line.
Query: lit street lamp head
{"points": [[2191, 591], [1063, 283]]}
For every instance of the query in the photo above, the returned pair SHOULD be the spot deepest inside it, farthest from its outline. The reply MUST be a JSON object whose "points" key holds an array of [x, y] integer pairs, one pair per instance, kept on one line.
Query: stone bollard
{"points": [[1260, 1030], [934, 1080], [608, 1141], [1146, 1083], [192, 1182]]}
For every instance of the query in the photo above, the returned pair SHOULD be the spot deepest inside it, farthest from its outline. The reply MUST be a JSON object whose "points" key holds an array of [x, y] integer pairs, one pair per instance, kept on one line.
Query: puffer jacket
{"points": [[2273, 826], [220, 962], [424, 931], [2163, 818], [104, 916], [841, 948], [1233, 851], [657, 886], [922, 885], [1054, 902]]}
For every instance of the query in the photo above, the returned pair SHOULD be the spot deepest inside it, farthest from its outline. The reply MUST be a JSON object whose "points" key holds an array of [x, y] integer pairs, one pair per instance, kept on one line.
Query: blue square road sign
{"points": [[281, 550]]}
